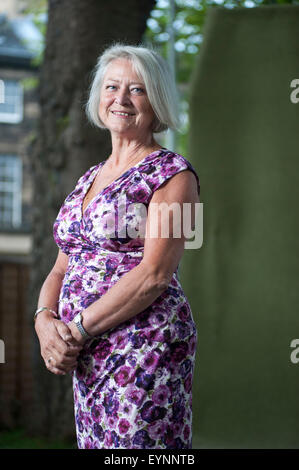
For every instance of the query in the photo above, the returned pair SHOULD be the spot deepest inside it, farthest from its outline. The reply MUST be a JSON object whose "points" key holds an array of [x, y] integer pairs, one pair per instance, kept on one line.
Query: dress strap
{"points": [[156, 172]]}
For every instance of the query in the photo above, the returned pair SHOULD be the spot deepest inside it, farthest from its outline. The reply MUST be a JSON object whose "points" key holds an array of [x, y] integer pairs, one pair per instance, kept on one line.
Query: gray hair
{"points": [[156, 75]]}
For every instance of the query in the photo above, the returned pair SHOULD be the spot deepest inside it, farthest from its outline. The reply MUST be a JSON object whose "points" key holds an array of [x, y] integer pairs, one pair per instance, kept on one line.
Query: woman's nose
{"points": [[122, 97]]}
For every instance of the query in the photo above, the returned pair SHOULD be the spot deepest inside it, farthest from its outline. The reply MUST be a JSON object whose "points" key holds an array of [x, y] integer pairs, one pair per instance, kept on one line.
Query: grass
{"points": [[17, 439]]}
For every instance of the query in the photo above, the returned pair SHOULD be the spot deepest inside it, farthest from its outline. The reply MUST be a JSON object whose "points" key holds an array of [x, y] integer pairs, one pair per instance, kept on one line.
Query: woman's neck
{"points": [[124, 153]]}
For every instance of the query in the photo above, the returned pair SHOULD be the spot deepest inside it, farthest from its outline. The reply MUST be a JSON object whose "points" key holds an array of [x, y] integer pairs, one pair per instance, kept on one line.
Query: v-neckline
{"points": [[95, 173]]}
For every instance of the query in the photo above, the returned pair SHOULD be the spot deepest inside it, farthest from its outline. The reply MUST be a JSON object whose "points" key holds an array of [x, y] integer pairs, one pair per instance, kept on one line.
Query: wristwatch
{"points": [[78, 322]]}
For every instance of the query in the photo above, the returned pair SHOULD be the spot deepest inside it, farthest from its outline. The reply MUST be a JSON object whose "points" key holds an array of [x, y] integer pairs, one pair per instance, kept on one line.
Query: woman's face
{"points": [[123, 91]]}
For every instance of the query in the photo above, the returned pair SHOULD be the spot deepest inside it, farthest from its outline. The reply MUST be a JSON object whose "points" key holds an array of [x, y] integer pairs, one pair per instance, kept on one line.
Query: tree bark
{"points": [[66, 145]]}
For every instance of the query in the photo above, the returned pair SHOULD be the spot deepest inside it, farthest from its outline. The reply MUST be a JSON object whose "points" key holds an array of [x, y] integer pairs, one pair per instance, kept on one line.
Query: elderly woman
{"points": [[112, 311]]}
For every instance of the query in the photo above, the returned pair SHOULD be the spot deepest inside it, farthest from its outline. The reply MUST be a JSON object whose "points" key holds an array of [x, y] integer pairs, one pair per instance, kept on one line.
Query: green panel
{"points": [[243, 282]]}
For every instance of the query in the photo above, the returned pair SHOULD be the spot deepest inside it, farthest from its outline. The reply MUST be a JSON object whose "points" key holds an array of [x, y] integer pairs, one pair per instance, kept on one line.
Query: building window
{"points": [[11, 103], [10, 191]]}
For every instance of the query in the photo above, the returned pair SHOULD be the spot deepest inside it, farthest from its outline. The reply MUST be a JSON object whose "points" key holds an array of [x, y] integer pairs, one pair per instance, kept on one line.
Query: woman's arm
{"points": [[137, 289], [55, 338]]}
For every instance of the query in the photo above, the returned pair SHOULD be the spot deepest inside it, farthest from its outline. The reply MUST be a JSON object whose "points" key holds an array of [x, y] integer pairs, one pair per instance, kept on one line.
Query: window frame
{"points": [[13, 188], [17, 101]]}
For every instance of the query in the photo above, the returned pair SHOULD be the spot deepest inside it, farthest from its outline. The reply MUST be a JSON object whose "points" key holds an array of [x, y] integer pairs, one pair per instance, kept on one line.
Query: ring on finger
{"points": [[50, 360]]}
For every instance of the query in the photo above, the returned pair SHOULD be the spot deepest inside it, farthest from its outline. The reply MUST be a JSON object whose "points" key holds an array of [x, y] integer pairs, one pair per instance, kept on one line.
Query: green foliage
{"points": [[17, 439], [188, 26], [29, 83], [62, 123], [37, 9]]}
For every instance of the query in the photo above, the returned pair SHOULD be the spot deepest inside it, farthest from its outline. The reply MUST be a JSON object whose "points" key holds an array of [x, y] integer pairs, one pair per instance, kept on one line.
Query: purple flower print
{"points": [[102, 349], [150, 412], [183, 313], [188, 383], [155, 335], [88, 443], [66, 293], [168, 438], [160, 395], [73, 194], [141, 320], [111, 266], [182, 329], [175, 387], [185, 367], [177, 429], [79, 423], [125, 442], [124, 376], [91, 376], [156, 429], [131, 359], [114, 362], [108, 440], [144, 380], [126, 407], [83, 389], [186, 432], [136, 194], [119, 339], [179, 351], [150, 361], [123, 426], [159, 319], [97, 412], [74, 228], [75, 285], [178, 410], [98, 431], [67, 313], [115, 439], [178, 443], [134, 395], [165, 359], [192, 345], [89, 402], [141, 439], [110, 404], [138, 339], [172, 292], [89, 299], [95, 269], [88, 225], [112, 421], [168, 335]]}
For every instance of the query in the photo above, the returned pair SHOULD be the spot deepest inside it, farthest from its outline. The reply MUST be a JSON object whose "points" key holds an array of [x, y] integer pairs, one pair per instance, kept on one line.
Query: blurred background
{"points": [[236, 65]]}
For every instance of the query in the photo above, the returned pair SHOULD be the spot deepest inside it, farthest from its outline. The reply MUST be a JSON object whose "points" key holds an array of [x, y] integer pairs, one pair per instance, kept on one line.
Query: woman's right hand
{"points": [[59, 349]]}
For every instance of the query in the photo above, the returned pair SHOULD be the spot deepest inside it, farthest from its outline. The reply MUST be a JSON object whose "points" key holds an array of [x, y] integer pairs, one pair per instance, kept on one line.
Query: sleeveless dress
{"points": [[133, 384]]}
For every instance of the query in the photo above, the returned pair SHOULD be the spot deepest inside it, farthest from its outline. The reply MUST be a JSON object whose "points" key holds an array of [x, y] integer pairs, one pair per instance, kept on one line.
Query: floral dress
{"points": [[133, 383]]}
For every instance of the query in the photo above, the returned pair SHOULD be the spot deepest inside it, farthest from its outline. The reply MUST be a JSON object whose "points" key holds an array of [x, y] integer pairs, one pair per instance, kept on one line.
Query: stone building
{"points": [[18, 113]]}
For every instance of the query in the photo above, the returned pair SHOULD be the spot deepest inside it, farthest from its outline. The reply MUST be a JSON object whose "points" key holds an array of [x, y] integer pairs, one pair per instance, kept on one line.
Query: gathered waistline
{"points": [[101, 251]]}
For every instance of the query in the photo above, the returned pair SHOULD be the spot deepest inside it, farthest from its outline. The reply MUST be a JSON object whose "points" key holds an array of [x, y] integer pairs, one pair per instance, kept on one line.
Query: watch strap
{"points": [[78, 322]]}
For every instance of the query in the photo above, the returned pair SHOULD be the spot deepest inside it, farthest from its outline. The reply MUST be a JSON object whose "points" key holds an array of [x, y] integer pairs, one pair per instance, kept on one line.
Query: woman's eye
{"points": [[140, 89], [110, 86]]}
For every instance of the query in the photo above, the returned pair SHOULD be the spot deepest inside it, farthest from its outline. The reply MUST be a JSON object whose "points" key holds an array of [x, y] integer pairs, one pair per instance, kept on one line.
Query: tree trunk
{"points": [[66, 145]]}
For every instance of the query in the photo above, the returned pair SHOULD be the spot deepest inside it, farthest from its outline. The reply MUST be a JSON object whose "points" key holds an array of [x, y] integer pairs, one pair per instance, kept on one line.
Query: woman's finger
{"points": [[56, 368], [73, 347], [65, 333], [61, 360]]}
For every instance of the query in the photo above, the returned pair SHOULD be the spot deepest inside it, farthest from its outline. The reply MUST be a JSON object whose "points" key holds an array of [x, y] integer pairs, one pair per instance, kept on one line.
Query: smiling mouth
{"points": [[120, 113]]}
